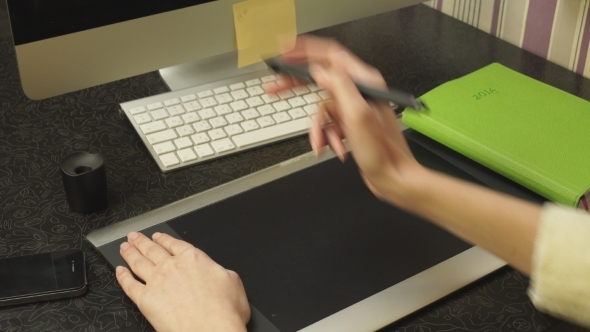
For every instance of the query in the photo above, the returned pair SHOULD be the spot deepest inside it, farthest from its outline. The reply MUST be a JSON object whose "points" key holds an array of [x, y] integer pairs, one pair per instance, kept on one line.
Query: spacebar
{"points": [[272, 132]]}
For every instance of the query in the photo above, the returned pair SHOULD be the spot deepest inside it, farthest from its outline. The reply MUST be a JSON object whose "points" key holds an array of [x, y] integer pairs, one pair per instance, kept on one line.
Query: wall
{"points": [[558, 30]]}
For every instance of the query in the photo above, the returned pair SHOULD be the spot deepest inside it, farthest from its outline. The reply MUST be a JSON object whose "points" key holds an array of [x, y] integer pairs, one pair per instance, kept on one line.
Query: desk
{"points": [[416, 49]]}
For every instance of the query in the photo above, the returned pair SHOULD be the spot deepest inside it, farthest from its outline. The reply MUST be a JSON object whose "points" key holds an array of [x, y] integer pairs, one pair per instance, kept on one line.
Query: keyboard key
{"points": [[253, 82], [224, 98], [234, 118], [190, 117], [185, 131], [186, 155], [152, 127], [265, 121], [281, 106], [137, 110], [312, 98], [312, 109], [233, 130], [172, 102], [192, 106], [300, 90], [208, 102], [281, 117], [174, 122], [218, 122], [216, 134], [169, 159], [221, 90], [269, 78], [255, 91], [223, 145], [204, 150], [270, 98], [176, 110], [142, 118], [207, 114], [268, 86], [202, 126], [205, 94], [265, 110], [183, 142], [239, 105], [200, 138], [240, 94], [254, 101], [249, 125], [161, 136], [250, 114], [297, 113], [187, 98], [286, 94], [237, 86], [313, 87], [155, 106], [297, 102], [159, 114], [271, 133], [223, 109], [164, 147]]}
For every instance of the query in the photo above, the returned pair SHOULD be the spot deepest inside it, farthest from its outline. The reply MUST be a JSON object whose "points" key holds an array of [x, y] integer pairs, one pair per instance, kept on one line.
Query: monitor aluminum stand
{"points": [[207, 70]]}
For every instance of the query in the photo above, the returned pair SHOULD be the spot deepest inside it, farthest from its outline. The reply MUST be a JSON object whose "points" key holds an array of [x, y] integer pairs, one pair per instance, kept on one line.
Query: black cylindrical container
{"points": [[85, 181]]}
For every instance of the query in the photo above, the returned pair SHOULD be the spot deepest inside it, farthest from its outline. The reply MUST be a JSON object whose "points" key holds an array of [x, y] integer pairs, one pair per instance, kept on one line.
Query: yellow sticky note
{"points": [[259, 26]]}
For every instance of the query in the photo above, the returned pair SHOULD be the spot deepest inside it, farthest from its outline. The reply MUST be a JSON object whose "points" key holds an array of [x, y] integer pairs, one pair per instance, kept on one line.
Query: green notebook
{"points": [[526, 130]]}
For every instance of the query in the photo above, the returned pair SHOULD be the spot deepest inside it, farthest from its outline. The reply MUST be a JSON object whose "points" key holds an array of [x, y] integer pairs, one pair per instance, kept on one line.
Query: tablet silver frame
{"points": [[370, 314]]}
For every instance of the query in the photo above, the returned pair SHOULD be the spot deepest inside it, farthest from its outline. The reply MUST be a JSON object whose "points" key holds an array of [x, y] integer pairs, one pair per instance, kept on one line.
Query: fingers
{"points": [[152, 251], [172, 245], [330, 53], [324, 129], [131, 287], [358, 121], [140, 265], [284, 82]]}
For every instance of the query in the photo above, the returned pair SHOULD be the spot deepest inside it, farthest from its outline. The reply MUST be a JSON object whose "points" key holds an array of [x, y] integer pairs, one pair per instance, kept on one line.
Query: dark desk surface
{"points": [[415, 48]]}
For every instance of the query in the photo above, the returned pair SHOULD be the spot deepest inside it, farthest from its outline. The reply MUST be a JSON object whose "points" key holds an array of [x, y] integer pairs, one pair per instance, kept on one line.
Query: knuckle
{"points": [[194, 254]]}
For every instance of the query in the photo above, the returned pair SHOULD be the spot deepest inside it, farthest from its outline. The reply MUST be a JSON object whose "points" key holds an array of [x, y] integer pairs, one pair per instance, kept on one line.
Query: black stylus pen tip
{"points": [[420, 105]]}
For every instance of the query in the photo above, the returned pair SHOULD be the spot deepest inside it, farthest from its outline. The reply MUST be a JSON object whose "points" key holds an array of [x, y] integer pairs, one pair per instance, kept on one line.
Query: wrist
{"points": [[415, 189], [219, 321]]}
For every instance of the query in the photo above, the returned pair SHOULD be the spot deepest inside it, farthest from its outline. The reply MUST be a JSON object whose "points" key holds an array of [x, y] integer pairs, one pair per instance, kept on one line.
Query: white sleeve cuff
{"points": [[560, 278]]}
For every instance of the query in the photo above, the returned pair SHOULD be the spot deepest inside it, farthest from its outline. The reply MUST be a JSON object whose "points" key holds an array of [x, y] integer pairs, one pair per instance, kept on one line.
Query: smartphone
{"points": [[42, 277]]}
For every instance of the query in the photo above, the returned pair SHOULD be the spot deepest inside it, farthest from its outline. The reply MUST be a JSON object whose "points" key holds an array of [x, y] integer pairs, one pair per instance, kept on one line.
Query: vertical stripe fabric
{"points": [[558, 30]]}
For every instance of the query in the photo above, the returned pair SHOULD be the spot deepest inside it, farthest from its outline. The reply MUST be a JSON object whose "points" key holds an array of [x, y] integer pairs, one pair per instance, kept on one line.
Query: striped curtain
{"points": [[558, 30]]}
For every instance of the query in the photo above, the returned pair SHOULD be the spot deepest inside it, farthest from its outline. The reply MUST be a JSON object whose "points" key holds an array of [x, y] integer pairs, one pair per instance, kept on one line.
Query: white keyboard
{"points": [[198, 124]]}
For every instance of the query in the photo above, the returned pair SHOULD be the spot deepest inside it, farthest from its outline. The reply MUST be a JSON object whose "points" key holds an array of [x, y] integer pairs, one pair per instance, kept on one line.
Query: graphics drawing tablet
{"points": [[315, 249]]}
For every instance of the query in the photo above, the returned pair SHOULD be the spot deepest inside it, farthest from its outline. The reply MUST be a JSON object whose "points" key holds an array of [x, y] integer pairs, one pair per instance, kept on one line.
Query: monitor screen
{"points": [[34, 20], [68, 45]]}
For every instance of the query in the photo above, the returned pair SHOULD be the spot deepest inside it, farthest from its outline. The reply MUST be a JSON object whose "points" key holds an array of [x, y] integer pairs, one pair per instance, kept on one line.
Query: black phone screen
{"points": [[27, 275], [41, 273]]}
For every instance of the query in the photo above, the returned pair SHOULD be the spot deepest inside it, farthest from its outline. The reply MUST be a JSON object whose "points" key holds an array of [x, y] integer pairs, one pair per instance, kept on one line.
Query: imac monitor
{"points": [[68, 45]]}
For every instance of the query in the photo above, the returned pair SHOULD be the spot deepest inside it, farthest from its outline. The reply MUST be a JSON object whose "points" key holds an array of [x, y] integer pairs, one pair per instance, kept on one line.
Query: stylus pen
{"points": [[401, 98]]}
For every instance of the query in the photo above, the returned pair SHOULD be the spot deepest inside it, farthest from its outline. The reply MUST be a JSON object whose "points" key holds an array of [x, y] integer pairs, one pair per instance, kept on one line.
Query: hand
{"points": [[184, 290], [378, 146]]}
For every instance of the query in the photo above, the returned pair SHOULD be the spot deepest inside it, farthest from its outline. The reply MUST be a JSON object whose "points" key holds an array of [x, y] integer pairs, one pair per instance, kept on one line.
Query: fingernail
{"points": [[156, 235], [125, 246], [119, 270], [133, 235]]}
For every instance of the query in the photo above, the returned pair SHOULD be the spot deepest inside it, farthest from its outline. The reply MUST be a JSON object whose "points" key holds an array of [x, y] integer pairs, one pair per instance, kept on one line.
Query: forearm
{"points": [[504, 225]]}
